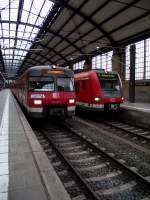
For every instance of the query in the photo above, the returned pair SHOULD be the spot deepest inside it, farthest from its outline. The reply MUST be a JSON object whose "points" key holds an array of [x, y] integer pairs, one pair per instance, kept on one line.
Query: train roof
{"points": [[38, 70], [47, 67], [90, 72]]}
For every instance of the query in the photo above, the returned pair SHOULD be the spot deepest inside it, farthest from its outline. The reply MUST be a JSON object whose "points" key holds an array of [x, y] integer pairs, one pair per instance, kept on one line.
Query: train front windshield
{"points": [[42, 85], [65, 84], [51, 85], [110, 87]]}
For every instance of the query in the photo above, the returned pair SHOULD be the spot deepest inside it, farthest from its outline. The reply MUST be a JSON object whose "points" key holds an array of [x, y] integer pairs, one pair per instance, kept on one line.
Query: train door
{"points": [[77, 90], [86, 91], [25, 92]]}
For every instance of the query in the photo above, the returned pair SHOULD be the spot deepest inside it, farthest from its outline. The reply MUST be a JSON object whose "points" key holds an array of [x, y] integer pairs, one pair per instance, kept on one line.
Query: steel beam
{"points": [[87, 18]]}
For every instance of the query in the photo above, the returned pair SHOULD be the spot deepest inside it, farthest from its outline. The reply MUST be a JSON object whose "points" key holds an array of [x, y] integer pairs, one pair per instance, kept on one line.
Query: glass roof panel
{"points": [[24, 16], [35, 30], [19, 27], [14, 4], [18, 43], [13, 15], [6, 42], [3, 51], [45, 8], [24, 53], [38, 7], [27, 5], [6, 57], [12, 27], [11, 43], [32, 19], [0, 32], [6, 51], [28, 45], [4, 14], [11, 52], [12, 33]]}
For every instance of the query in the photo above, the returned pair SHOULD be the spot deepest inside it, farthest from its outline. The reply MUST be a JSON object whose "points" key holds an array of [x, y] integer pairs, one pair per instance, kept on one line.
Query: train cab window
{"points": [[42, 85], [65, 84], [110, 84], [110, 87], [48, 87]]}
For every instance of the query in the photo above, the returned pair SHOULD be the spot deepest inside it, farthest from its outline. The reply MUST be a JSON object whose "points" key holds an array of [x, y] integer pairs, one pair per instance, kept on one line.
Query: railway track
{"points": [[74, 187], [139, 134], [100, 174], [125, 150]]}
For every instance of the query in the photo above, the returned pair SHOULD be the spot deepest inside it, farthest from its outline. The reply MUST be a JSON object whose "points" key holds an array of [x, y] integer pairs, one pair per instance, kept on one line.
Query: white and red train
{"points": [[46, 90], [98, 90]]}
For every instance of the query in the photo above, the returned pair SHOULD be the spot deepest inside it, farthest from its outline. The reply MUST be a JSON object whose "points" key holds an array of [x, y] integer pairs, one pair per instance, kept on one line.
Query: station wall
{"points": [[142, 92]]}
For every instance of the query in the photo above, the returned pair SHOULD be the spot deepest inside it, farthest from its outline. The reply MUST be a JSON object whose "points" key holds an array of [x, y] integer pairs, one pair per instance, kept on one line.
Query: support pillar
{"points": [[118, 62], [87, 64], [70, 65], [132, 75]]}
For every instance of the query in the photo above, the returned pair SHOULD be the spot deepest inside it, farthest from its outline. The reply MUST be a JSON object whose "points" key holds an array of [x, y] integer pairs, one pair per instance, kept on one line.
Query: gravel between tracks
{"points": [[133, 157]]}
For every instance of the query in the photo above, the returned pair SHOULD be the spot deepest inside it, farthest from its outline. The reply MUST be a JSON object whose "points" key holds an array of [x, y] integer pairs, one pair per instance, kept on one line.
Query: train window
{"points": [[110, 87], [65, 84], [42, 85], [110, 84]]}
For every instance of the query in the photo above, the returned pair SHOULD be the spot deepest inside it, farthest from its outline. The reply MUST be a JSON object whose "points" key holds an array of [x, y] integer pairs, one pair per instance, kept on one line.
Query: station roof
{"points": [[62, 31]]}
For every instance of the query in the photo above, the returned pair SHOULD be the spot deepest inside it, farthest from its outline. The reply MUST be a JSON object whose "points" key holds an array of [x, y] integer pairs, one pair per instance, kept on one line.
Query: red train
{"points": [[46, 90], [98, 90]]}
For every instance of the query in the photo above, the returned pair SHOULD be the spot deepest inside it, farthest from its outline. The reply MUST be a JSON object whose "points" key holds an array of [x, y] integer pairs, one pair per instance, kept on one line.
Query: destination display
{"points": [[55, 72], [105, 75]]}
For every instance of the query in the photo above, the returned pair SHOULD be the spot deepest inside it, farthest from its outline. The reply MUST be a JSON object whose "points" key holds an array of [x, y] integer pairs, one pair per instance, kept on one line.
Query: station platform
{"points": [[25, 171], [143, 107], [138, 112]]}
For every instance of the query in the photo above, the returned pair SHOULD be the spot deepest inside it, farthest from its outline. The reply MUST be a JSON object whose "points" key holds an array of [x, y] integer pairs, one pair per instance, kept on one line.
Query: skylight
{"points": [[18, 28]]}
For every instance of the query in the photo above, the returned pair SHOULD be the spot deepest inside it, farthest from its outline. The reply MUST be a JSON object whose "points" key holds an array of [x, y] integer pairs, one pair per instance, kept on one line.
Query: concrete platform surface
{"points": [[143, 107], [25, 171], [138, 113]]}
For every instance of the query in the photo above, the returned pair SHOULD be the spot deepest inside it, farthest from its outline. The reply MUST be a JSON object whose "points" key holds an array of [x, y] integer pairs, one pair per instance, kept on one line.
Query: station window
{"points": [[142, 60], [147, 62], [78, 65], [127, 63], [103, 61]]}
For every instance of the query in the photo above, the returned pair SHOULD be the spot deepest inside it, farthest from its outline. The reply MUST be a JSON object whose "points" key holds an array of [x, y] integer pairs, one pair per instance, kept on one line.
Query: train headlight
{"points": [[71, 100], [37, 102], [122, 98], [37, 96], [97, 99]]}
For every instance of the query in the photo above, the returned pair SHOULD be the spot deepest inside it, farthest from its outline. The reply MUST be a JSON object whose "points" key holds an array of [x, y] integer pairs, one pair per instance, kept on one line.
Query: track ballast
{"points": [[100, 174]]}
